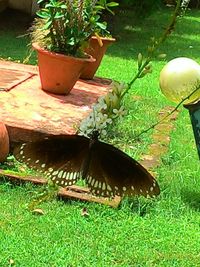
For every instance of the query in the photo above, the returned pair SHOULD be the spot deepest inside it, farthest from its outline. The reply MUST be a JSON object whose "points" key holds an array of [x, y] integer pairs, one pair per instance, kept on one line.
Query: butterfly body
{"points": [[107, 170]]}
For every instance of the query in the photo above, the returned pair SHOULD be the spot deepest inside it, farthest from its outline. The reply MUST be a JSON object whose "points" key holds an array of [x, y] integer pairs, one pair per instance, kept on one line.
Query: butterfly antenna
{"points": [[95, 131], [94, 116]]}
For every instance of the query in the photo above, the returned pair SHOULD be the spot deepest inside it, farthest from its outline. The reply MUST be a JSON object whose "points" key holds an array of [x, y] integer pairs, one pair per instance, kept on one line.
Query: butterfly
{"points": [[106, 170]]}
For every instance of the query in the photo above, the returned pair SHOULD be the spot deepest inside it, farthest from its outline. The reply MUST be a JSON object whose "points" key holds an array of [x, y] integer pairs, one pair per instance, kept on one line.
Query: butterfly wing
{"points": [[109, 171], [112, 172], [59, 157]]}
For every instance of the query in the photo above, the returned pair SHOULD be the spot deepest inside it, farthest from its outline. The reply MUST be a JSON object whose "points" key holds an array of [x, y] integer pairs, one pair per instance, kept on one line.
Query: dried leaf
{"points": [[11, 262], [84, 212], [38, 212]]}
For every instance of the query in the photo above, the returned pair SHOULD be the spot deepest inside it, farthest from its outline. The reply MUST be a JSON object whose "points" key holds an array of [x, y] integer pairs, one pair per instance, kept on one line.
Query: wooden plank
{"points": [[19, 179], [82, 193], [71, 192], [45, 113]]}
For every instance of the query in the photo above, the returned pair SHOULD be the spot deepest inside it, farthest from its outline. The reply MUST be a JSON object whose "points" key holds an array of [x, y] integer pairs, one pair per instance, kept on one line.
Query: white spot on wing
{"points": [[71, 175], [96, 184], [60, 174], [89, 179], [23, 145], [109, 188], [103, 186], [50, 169]]}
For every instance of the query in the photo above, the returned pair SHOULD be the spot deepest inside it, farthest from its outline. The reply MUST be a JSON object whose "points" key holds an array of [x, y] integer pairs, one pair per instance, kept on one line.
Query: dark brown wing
{"points": [[59, 157], [112, 172]]}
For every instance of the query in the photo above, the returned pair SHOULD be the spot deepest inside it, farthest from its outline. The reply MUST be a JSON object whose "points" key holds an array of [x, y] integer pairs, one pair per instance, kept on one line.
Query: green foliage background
{"points": [[141, 6], [142, 233]]}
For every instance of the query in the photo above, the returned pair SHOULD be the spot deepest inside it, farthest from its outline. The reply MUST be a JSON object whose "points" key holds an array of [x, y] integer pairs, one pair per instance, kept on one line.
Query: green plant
{"points": [[110, 107], [65, 26], [101, 27], [65, 238], [105, 111]]}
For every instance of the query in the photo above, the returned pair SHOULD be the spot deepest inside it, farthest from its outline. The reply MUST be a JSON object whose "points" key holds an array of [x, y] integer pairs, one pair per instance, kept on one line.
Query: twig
{"points": [[155, 45], [168, 115]]}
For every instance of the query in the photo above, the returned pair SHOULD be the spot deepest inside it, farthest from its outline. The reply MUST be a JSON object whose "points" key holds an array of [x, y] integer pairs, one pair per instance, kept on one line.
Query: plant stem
{"points": [[156, 44], [168, 115]]}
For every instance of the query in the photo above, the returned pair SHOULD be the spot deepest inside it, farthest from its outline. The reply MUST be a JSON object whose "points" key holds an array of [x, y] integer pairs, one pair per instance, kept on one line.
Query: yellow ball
{"points": [[179, 78]]}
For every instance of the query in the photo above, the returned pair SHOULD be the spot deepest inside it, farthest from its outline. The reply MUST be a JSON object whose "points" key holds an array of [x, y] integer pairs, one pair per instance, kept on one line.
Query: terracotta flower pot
{"points": [[97, 52], [59, 73], [4, 142]]}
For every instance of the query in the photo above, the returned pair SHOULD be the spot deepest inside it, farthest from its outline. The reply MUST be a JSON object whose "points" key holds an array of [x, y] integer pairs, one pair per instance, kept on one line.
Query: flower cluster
{"points": [[107, 109]]}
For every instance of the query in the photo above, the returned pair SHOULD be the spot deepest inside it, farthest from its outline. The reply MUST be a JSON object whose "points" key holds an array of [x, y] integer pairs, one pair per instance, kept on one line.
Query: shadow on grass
{"points": [[132, 33], [139, 205], [14, 41], [14, 20], [191, 198]]}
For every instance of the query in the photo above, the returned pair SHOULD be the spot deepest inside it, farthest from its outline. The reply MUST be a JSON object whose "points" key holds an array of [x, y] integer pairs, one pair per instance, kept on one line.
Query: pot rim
{"points": [[40, 49]]}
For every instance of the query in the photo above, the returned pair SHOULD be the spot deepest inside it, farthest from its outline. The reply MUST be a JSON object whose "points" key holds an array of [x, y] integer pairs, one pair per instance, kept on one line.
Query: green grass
{"points": [[160, 232]]}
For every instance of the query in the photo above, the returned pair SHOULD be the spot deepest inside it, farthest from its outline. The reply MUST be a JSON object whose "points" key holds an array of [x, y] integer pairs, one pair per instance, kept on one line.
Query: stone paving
{"points": [[160, 139], [27, 110]]}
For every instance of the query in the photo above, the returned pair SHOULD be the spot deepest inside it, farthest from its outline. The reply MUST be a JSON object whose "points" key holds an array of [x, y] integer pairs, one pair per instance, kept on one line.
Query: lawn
{"points": [[161, 232]]}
